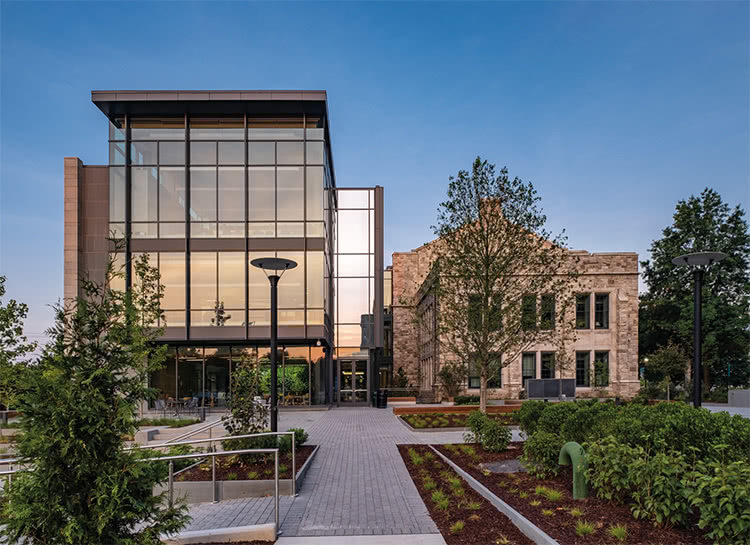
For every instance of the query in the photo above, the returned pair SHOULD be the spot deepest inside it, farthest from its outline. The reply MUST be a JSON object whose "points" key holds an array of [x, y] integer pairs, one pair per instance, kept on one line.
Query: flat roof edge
{"points": [[197, 95]]}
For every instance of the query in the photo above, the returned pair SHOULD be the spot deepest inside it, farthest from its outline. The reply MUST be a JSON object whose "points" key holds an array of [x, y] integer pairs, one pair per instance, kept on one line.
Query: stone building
{"points": [[604, 348]]}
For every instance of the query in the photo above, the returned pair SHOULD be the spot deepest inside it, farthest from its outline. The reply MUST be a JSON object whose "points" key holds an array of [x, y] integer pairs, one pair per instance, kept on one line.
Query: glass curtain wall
{"points": [[354, 266]]}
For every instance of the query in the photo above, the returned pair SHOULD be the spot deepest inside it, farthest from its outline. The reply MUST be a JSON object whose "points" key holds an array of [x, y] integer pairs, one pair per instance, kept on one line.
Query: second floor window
{"points": [[548, 365], [528, 312], [547, 318], [601, 311], [476, 314]]}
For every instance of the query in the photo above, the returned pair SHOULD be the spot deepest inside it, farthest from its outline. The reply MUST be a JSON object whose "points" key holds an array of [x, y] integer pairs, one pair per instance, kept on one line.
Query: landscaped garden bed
{"points": [[549, 504], [233, 468], [462, 515], [169, 422], [447, 420]]}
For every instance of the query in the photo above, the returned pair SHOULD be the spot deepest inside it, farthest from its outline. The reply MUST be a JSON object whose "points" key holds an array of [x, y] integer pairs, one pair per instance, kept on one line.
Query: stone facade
{"points": [[615, 274]]}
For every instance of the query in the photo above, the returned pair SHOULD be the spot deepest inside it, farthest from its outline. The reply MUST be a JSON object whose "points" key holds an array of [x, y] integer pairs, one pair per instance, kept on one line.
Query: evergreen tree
{"points": [[15, 348], [79, 403], [703, 223]]}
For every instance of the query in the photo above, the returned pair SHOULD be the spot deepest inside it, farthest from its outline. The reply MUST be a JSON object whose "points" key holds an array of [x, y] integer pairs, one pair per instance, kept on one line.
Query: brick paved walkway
{"points": [[357, 483]]}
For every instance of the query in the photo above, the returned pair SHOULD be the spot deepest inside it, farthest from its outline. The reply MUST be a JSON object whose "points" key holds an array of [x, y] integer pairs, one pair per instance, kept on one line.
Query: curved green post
{"points": [[573, 453]]}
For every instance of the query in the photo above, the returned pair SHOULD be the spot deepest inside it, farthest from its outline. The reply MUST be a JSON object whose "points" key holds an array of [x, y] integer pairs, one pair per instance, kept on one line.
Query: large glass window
{"points": [[165, 380], [547, 311], [172, 194], [290, 153], [143, 153], [143, 198], [217, 293], [292, 283], [262, 153], [528, 312], [601, 369], [221, 128], [203, 281], [152, 128], [258, 285], [352, 299], [315, 193], [190, 377], [216, 391], [203, 201], [172, 271], [262, 197], [231, 194], [116, 194], [275, 128], [171, 153], [289, 193], [315, 279], [528, 367], [353, 226], [231, 288], [548, 365]]}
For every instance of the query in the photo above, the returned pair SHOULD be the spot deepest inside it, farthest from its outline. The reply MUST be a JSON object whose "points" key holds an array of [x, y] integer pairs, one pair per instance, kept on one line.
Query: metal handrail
{"points": [[195, 432], [229, 438], [213, 455]]}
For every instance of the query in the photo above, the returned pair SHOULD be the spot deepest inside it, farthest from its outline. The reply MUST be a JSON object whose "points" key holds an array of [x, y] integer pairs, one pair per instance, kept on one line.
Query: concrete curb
{"points": [[257, 532], [438, 430], [530, 530], [301, 472]]}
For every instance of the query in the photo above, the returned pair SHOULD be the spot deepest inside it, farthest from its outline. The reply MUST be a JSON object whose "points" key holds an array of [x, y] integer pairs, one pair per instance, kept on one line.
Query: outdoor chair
{"points": [[161, 406]]}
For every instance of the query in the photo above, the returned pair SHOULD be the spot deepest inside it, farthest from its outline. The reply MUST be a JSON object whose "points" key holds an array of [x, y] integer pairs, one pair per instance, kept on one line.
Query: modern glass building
{"points": [[205, 182]]}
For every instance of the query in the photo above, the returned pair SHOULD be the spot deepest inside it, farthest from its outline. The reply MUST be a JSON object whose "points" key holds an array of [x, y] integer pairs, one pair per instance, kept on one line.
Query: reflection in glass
{"points": [[117, 128], [174, 318], [314, 153], [202, 153], [262, 153], [231, 230], [290, 230], [261, 230], [275, 128], [172, 194], [349, 335], [117, 281], [203, 193], [143, 153], [143, 197], [172, 271], [231, 193], [290, 153], [157, 128], [352, 198], [315, 317], [117, 194], [292, 284], [231, 153], [232, 279], [217, 377], [190, 376], [315, 229], [171, 153], [315, 279], [262, 199], [117, 153], [315, 193], [352, 231], [203, 229], [217, 128], [352, 300], [353, 265], [143, 230], [258, 285], [291, 317], [259, 317], [203, 280], [290, 193]]}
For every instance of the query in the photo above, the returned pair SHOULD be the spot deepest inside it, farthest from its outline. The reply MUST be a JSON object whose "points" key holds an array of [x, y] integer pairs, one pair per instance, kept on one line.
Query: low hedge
{"points": [[466, 400]]}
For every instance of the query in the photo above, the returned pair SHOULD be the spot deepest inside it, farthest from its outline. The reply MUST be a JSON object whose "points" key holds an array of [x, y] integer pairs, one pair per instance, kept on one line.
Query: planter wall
{"points": [[455, 409]]}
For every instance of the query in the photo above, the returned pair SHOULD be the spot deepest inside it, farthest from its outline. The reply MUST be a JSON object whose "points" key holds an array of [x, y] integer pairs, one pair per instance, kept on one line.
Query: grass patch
{"points": [[584, 528], [252, 475], [415, 458], [548, 493], [231, 477], [171, 422], [457, 527], [548, 512], [473, 506], [618, 531], [576, 512], [535, 503]]}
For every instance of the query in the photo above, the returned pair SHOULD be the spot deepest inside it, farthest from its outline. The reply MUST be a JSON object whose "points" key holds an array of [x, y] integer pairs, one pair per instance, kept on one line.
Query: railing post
{"points": [[276, 491], [171, 482], [10, 476], [213, 477], [294, 467]]}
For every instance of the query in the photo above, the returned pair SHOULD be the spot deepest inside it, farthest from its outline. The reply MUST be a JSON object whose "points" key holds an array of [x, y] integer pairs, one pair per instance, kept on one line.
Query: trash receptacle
{"points": [[385, 399], [382, 399]]}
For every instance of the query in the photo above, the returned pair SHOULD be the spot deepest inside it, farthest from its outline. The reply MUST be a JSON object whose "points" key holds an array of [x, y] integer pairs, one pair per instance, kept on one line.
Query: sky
{"points": [[613, 110]]}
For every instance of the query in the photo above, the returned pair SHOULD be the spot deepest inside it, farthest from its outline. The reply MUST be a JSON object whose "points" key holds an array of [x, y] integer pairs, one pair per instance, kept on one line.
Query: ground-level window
{"points": [[528, 366], [548, 365], [601, 369], [494, 381], [583, 364]]}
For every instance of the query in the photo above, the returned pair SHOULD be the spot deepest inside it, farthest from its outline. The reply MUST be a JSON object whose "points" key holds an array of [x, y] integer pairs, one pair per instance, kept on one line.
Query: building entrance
{"points": [[353, 381]]}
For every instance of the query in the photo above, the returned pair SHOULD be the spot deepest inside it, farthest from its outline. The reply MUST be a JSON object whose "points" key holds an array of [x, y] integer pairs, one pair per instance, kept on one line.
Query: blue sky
{"points": [[614, 110]]}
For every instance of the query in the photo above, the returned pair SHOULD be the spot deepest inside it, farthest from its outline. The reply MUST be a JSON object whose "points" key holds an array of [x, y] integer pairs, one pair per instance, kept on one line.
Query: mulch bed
{"points": [[518, 490], [456, 409], [483, 524], [447, 420], [232, 468]]}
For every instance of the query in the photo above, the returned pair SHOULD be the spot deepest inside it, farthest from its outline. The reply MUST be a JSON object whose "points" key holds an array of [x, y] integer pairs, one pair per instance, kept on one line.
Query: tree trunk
{"points": [[483, 392]]}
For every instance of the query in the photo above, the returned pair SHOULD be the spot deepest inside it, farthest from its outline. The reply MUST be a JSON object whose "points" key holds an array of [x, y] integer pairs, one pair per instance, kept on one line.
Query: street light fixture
{"points": [[699, 260], [276, 266]]}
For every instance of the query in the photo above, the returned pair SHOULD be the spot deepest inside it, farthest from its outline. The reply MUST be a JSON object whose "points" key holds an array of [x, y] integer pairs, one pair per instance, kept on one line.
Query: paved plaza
{"points": [[357, 484]]}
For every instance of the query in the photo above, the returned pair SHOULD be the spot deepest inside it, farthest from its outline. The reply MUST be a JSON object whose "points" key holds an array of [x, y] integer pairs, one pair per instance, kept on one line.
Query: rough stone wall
{"points": [[612, 273]]}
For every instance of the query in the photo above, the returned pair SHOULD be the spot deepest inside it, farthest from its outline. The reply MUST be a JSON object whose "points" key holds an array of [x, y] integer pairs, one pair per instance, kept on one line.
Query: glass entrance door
{"points": [[353, 380]]}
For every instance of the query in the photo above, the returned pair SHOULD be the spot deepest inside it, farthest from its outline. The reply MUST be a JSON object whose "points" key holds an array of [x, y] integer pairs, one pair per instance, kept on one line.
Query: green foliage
{"points": [[300, 438], [701, 223], [668, 363], [619, 532], [440, 500], [400, 380], [415, 458], [607, 471], [79, 400], [575, 512], [721, 493], [171, 422], [549, 493], [584, 528], [491, 434], [466, 400], [14, 348], [457, 527], [590, 420], [555, 416], [657, 489], [541, 452], [527, 417]]}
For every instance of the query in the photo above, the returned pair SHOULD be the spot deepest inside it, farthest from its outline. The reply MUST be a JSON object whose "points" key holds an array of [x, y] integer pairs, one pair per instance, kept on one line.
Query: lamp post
{"points": [[276, 266], [697, 260]]}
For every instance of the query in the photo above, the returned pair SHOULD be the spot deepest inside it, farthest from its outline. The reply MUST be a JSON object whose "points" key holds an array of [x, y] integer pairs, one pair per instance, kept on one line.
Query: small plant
{"points": [[523, 495], [473, 506], [584, 528], [443, 505], [486, 472], [428, 456], [268, 471], [440, 500], [502, 540], [415, 458], [474, 517], [513, 490], [576, 512], [548, 493], [454, 482], [535, 503], [458, 492], [252, 475], [457, 527], [548, 512], [231, 476], [429, 484], [618, 531]]}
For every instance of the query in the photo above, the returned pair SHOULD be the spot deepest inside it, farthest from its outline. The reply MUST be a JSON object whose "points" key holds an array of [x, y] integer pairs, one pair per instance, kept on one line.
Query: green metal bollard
{"points": [[573, 453]]}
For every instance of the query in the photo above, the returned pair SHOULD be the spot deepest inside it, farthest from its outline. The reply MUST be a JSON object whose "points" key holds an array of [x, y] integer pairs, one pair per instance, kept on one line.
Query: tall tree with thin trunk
{"points": [[504, 282]]}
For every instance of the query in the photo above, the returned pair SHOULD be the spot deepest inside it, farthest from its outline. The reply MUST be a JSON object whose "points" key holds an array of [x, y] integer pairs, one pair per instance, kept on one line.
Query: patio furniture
{"points": [[161, 406]]}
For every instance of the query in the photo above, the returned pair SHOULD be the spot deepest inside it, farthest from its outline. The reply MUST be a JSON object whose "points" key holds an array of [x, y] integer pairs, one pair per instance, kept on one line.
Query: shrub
{"points": [[466, 400], [300, 438], [658, 490], [527, 417], [457, 527], [607, 470], [555, 416], [491, 434], [541, 453], [452, 377], [592, 420], [721, 492]]}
